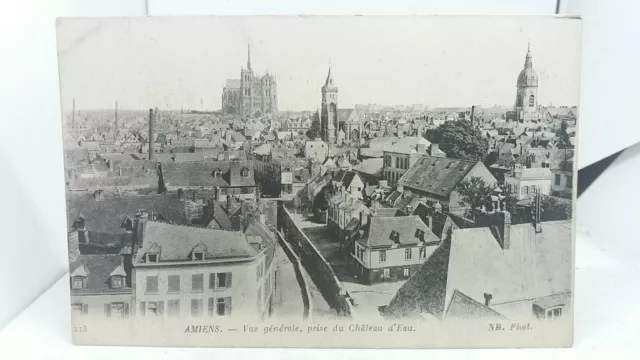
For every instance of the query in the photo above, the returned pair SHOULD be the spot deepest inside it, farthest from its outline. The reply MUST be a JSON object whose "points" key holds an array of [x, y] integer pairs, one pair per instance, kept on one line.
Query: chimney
{"points": [[229, 204], [115, 125], [473, 110], [536, 214], [73, 115], [218, 195], [429, 221], [361, 218], [400, 188], [151, 132], [421, 148], [487, 299], [504, 229], [181, 195], [140, 225]]}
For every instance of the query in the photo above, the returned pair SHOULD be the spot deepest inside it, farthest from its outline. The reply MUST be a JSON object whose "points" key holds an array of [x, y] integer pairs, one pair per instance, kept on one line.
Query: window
{"points": [[423, 253], [533, 189], [385, 274], [79, 309], [198, 255], [219, 280], [532, 100], [77, 282], [558, 179], [525, 189], [217, 173], [405, 272], [197, 281], [117, 282], [152, 308], [569, 181], [382, 257], [174, 308], [244, 172], [152, 258], [116, 310], [223, 306], [196, 307], [152, 285], [397, 162], [554, 313], [173, 284], [407, 254]]}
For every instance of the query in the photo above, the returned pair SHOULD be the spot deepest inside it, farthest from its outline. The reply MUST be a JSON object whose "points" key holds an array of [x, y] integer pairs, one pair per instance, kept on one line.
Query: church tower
{"points": [[526, 107], [329, 112], [246, 87]]}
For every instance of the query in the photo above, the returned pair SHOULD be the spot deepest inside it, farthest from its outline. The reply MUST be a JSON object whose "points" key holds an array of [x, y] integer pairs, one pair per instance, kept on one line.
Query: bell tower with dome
{"points": [[526, 107]]}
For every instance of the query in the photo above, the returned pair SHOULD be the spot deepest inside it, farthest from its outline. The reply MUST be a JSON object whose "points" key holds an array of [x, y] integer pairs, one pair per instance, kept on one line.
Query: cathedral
{"points": [[526, 107], [250, 96]]}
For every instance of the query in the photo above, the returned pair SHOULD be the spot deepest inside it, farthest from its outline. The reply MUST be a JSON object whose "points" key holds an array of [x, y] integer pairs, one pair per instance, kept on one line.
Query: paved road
{"points": [[288, 297]]}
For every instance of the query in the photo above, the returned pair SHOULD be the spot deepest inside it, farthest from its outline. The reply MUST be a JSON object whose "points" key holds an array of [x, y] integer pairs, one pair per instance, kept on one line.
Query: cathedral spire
{"points": [[248, 56], [527, 61]]}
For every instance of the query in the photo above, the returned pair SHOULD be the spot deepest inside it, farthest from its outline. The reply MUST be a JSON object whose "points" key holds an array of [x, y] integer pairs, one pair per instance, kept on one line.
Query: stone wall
{"points": [[316, 265], [295, 260]]}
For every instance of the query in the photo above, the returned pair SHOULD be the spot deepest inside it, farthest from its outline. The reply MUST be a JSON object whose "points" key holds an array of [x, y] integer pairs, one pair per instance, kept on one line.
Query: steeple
{"points": [[329, 78], [527, 61], [248, 56]]}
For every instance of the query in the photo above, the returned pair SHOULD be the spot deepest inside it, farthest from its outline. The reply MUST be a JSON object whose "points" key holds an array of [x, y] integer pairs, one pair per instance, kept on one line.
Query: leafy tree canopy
{"points": [[474, 193], [314, 130], [459, 140]]}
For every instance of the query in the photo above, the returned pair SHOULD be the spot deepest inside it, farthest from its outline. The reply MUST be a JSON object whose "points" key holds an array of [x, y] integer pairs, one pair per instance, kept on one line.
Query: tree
{"points": [[314, 130], [459, 140], [474, 193], [554, 208]]}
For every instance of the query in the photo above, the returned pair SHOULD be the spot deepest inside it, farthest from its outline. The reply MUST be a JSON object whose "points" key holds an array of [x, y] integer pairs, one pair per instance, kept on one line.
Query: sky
{"points": [[440, 61]]}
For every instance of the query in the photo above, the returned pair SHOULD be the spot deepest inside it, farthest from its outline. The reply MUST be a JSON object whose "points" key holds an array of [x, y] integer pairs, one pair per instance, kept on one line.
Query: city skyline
{"points": [[127, 61]]}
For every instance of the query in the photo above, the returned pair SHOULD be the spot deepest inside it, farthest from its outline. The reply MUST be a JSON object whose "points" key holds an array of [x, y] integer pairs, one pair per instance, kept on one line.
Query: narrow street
{"points": [[288, 298]]}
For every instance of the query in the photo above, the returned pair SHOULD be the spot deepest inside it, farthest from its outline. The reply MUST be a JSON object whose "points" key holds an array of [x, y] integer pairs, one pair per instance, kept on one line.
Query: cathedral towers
{"points": [[526, 106], [329, 112]]}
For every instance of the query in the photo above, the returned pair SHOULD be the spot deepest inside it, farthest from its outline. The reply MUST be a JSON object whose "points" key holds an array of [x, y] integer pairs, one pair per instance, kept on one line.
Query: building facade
{"points": [[187, 272], [523, 182], [252, 95]]}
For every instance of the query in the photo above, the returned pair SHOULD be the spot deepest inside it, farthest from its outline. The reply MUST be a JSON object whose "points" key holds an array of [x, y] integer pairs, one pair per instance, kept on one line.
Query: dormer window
{"points": [[152, 258], [395, 236], [78, 282], [197, 254], [553, 313], [117, 282], [217, 173], [244, 172]]}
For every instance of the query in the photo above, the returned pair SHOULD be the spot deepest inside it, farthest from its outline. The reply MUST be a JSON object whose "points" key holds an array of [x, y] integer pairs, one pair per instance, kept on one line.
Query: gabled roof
{"points": [[381, 229], [534, 266], [202, 174], [177, 243], [98, 270], [436, 175]]}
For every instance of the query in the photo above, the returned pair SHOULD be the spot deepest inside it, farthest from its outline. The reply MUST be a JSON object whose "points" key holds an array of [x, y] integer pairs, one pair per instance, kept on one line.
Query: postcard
{"points": [[321, 181]]}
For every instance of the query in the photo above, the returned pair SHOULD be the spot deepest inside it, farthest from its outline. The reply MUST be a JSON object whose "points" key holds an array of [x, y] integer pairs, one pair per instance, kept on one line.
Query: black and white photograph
{"points": [[321, 181]]}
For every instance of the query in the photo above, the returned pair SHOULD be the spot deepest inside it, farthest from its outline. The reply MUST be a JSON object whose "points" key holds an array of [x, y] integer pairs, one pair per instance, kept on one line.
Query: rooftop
{"points": [[436, 175], [176, 243], [382, 229], [98, 269]]}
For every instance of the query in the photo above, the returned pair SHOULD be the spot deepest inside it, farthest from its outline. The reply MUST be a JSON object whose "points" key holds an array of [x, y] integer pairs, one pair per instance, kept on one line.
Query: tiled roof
{"points": [[177, 242], [98, 269], [344, 114], [534, 266], [198, 174], [146, 182], [436, 175], [179, 157], [106, 216], [381, 229]]}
